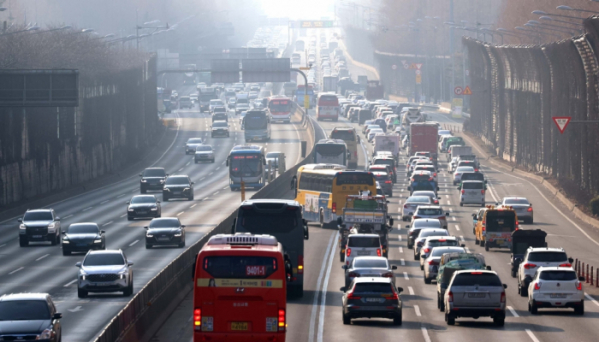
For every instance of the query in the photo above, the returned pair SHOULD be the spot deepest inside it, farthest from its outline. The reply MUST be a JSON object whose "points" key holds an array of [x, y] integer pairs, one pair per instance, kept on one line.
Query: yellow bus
{"points": [[321, 189], [351, 139]]}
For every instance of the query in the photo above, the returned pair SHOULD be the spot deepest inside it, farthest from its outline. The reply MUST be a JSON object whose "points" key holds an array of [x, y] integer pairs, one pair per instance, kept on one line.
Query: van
{"points": [[362, 245], [351, 139], [472, 192], [220, 117]]}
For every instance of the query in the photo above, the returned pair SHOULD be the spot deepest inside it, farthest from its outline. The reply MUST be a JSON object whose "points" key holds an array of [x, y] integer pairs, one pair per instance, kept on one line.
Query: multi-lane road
{"points": [[43, 268]]}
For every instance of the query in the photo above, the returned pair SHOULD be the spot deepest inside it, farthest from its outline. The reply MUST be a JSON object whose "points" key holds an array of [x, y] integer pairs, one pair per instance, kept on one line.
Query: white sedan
{"points": [[457, 175]]}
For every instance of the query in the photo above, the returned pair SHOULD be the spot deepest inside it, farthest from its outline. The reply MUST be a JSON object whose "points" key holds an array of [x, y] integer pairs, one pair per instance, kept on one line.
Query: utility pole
{"points": [[451, 48]]}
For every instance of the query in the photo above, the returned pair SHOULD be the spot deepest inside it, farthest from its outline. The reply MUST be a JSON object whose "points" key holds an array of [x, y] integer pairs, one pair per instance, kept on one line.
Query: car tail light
{"points": [[528, 266], [503, 297], [484, 228], [416, 217], [388, 182], [475, 170], [395, 296], [378, 251], [426, 250], [353, 275], [436, 202], [300, 264], [433, 262], [281, 319], [419, 244], [348, 252], [579, 286], [450, 296], [476, 273], [456, 174], [352, 296], [537, 286], [529, 209], [565, 265], [334, 207], [197, 319], [435, 174], [463, 191], [430, 179], [388, 275], [482, 192], [441, 218], [405, 206]]}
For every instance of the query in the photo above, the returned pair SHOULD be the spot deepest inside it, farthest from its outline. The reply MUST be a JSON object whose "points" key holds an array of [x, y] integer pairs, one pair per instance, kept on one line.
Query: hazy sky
{"points": [[299, 9]]}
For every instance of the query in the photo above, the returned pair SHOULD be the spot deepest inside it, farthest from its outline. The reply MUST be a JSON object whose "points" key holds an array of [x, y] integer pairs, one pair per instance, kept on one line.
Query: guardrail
{"points": [[153, 304]]}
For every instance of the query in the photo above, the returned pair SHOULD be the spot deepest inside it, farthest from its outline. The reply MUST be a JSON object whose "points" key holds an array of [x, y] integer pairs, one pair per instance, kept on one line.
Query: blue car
{"points": [[422, 181]]}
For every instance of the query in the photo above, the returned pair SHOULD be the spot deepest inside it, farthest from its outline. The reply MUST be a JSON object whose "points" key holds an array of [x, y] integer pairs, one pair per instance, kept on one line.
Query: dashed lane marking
{"points": [[104, 202], [457, 227], [513, 312], [417, 310], [123, 215], [86, 209], [405, 275], [410, 290], [133, 243], [181, 213], [43, 256], [121, 195], [425, 335], [70, 283], [462, 238], [66, 217], [193, 206], [400, 250], [403, 262], [107, 223], [17, 270], [591, 299], [531, 335]]}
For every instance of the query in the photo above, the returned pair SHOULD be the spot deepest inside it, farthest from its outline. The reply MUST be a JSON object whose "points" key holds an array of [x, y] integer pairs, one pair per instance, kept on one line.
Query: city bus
{"points": [[351, 139], [321, 190], [330, 151], [240, 289], [257, 125], [246, 163], [280, 108], [283, 220], [327, 107]]}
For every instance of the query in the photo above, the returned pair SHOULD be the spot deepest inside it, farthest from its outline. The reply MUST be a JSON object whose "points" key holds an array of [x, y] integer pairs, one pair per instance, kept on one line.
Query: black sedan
{"points": [[165, 231], [179, 186], [28, 317], [81, 237], [143, 206]]}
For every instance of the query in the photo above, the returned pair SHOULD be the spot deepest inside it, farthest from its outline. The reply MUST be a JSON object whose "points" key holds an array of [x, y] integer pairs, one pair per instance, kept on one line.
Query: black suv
{"points": [[39, 225], [152, 179], [178, 187], [29, 317]]}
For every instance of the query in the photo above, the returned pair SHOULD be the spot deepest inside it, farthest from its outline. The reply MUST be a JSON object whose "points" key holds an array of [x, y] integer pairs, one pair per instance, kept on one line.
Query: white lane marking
{"points": [[453, 218], [181, 213], [211, 173], [467, 249], [399, 237], [462, 237], [214, 194], [513, 312], [2, 245], [447, 196], [205, 199], [405, 275], [17, 270], [457, 227], [325, 286], [43, 256], [451, 209], [133, 243], [448, 202], [425, 335], [107, 223], [591, 299], [403, 262], [103, 202], [193, 206], [410, 290], [188, 163], [493, 191], [225, 188], [66, 217], [400, 250], [121, 195], [70, 283], [531, 335], [86, 209], [76, 309], [417, 309], [201, 179], [315, 302], [181, 169], [218, 168]]}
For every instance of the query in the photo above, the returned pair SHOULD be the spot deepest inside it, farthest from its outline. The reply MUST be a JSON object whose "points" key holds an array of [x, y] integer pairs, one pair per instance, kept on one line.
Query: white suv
{"points": [[431, 212], [105, 271], [558, 287], [536, 258], [362, 245]]}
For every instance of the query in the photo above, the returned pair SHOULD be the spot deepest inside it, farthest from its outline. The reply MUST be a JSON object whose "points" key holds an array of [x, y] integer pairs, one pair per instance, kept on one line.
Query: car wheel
{"points": [[486, 247], [165, 198], [190, 198], [476, 242], [416, 256], [449, 319], [427, 280], [481, 243], [181, 244], [148, 246], [441, 305], [531, 221], [461, 204], [534, 309], [53, 241], [421, 267], [81, 293], [129, 218], [129, 290], [212, 160], [522, 290], [346, 319], [579, 310], [195, 161], [499, 321], [397, 320], [513, 274], [65, 252], [23, 243]]}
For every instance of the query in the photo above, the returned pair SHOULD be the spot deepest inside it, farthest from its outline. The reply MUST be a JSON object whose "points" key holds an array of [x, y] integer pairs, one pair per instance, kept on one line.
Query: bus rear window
{"points": [[355, 178], [501, 221], [330, 150], [328, 100], [373, 288], [240, 267], [345, 135], [268, 222]]}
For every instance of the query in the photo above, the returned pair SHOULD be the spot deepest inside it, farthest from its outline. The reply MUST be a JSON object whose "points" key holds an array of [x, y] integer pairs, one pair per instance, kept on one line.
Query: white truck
{"points": [[457, 151], [329, 84], [389, 143]]}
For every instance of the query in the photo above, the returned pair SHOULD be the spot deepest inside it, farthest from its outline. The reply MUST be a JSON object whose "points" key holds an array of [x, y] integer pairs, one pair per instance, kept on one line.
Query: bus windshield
{"points": [[255, 121], [279, 105], [330, 154], [246, 165]]}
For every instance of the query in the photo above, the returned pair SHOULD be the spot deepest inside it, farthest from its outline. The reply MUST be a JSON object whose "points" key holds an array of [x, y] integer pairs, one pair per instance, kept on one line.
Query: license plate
{"points": [[499, 241], [363, 253], [81, 244], [102, 284], [557, 295], [37, 236], [375, 300], [477, 295], [176, 192], [239, 326], [163, 239]]}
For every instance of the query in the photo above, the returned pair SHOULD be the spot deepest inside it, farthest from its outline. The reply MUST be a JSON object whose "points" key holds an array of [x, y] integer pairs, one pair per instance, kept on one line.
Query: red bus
{"points": [[327, 107], [280, 109], [240, 289]]}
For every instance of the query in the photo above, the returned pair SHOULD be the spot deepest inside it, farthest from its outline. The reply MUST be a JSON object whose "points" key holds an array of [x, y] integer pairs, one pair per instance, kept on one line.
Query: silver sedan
{"points": [[368, 266], [522, 207], [411, 204]]}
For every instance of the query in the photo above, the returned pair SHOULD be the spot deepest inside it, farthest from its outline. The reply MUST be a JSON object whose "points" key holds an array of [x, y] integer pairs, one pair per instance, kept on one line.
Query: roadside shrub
{"points": [[594, 204]]}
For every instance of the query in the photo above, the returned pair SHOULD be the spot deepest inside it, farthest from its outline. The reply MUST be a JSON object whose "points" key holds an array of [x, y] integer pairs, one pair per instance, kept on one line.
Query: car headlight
{"points": [[186, 189], [22, 226], [130, 209], [83, 275], [45, 335], [149, 235], [162, 181], [144, 181], [65, 240], [52, 225], [98, 241], [167, 189], [178, 234], [154, 209], [123, 275]]}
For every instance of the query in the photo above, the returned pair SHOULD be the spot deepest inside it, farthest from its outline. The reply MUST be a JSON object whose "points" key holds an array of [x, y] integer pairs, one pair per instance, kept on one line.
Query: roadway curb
{"points": [[556, 193]]}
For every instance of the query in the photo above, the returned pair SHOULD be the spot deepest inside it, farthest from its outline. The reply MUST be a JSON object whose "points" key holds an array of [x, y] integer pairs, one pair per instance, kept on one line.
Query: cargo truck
{"points": [[387, 143], [374, 91], [423, 138], [329, 84]]}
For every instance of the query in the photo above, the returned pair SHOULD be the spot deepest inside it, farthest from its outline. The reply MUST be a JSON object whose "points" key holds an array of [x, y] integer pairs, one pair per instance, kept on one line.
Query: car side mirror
{"points": [[64, 233], [140, 175], [399, 289], [446, 214], [130, 263], [570, 260], [157, 201], [518, 260], [102, 232], [393, 267], [57, 316], [407, 226], [505, 286], [488, 268], [78, 264], [462, 245], [459, 187], [581, 279], [439, 197], [167, 175], [193, 183], [339, 220], [182, 226], [57, 219], [387, 201], [473, 215], [146, 227], [20, 220], [345, 267], [127, 202]]}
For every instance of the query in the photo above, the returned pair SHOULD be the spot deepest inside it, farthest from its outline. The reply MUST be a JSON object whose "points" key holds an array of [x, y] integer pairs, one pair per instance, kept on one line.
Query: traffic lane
{"points": [[363, 146]]}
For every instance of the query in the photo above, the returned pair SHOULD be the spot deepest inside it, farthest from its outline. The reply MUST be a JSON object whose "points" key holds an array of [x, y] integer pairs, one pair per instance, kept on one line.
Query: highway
{"points": [[43, 268]]}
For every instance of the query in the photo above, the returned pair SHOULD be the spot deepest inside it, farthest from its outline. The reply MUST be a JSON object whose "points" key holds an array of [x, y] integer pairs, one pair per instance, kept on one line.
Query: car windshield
{"points": [[510, 201], [548, 257], [194, 141], [204, 148], [38, 216], [437, 252], [476, 278], [364, 241], [104, 259], [370, 263], [373, 288], [432, 232], [177, 181], [165, 223], [143, 199], [429, 211], [473, 185], [426, 224], [273, 155], [219, 124], [465, 169], [154, 173], [216, 102], [558, 275], [418, 199], [430, 194], [24, 310], [83, 229]]}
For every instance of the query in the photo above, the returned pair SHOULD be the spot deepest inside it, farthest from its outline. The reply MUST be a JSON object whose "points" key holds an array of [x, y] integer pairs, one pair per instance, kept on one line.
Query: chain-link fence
{"points": [[518, 89]]}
